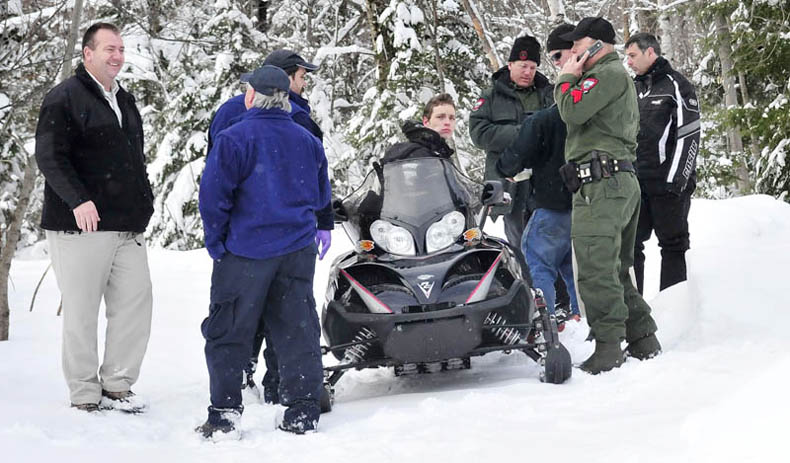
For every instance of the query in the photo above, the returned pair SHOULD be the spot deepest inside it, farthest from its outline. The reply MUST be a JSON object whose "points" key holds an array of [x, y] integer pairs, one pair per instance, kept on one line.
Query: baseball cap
{"points": [[287, 59], [266, 79], [594, 27], [555, 40]]}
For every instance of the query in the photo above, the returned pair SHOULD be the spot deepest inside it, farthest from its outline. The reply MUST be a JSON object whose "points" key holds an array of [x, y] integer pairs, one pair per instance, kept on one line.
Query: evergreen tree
{"points": [[758, 31]]}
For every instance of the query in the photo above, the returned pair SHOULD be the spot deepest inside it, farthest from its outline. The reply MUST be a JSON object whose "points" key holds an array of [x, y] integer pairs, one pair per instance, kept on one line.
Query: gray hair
{"points": [[278, 100]]}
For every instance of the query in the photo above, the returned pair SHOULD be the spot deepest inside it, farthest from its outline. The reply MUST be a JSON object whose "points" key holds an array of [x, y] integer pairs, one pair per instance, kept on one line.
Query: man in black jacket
{"points": [[517, 90], [668, 143], [97, 204], [540, 146]]}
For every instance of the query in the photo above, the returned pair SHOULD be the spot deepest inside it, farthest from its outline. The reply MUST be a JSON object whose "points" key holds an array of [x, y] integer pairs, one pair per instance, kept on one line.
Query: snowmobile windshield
{"points": [[417, 191], [414, 192]]}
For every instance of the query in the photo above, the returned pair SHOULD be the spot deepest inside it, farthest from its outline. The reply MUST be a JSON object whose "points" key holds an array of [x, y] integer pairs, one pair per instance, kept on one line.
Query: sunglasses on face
{"points": [[556, 56]]}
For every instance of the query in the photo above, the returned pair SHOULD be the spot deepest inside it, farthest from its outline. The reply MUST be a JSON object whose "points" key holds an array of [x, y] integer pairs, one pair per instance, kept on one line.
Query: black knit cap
{"points": [[525, 48], [555, 42], [596, 28]]}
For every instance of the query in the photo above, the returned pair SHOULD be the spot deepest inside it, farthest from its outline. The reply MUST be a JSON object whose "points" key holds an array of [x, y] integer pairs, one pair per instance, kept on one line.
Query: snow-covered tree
{"points": [[196, 66]]}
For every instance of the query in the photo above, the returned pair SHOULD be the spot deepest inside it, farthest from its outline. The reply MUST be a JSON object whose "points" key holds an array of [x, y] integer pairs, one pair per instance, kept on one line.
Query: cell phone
{"points": [[595, 48]]}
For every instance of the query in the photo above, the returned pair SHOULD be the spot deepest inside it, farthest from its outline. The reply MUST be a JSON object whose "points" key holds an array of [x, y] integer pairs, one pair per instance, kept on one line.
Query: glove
{"points": [[323, 239]]}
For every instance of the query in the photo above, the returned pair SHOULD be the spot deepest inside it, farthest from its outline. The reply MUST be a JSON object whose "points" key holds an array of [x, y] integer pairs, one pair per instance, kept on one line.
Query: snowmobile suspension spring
{"points": [[507, 336], [356, 353]]}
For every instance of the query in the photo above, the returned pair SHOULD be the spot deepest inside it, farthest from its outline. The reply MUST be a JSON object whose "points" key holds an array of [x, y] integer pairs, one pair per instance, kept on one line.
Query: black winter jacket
{"points": [[86, 156], [495, 122], [540, 146], [423, 142], [669, 130]]}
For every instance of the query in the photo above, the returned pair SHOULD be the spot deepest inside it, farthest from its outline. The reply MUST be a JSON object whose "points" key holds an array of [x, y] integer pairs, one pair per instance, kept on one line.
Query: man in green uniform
{"points": [[517, 90], [597, 100]]}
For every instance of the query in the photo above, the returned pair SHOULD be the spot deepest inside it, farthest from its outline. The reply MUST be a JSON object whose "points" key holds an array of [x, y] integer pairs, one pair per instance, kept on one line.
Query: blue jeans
{"points": [[546, 244]]}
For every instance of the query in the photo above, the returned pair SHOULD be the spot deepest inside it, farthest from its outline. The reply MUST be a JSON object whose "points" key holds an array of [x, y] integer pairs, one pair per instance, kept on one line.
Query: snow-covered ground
{"points": [[718, 393]]}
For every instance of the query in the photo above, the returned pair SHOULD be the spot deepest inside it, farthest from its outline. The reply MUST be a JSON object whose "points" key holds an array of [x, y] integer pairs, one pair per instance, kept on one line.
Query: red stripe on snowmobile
{"points": [[366, 295], [485, 279]]}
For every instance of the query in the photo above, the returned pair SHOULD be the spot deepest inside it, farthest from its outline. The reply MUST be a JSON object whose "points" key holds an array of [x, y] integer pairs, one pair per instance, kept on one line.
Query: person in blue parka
{"points": [[264, 182], [229, 113]]}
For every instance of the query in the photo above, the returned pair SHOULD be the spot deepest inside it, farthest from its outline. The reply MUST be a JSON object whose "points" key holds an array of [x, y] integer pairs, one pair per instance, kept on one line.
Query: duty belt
{"points": [[601, 166]]}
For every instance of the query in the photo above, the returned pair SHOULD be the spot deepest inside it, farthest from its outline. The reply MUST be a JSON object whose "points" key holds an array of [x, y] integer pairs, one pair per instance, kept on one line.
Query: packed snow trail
{"points": [[716, 393]]}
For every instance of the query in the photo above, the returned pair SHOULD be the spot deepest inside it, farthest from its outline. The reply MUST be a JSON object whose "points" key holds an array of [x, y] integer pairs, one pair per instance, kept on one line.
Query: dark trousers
{"points": [[603, 229], [515, 223], [271, 378], [281, 290], [667, 215]]}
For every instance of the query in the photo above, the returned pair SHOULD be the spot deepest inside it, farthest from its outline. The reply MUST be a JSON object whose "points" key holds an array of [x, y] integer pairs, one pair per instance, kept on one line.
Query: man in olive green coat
{"points": [[517, 90], [597, 101]]}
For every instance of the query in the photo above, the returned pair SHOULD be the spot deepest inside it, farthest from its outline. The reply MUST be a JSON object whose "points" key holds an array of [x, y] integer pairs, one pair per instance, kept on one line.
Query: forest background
{"points": [[380, 61]]}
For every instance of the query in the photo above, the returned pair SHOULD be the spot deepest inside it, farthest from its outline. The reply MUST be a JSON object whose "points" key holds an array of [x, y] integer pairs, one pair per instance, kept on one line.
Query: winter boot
{"points": [[221, 424], [644, 348], [299, 418], [607, 355]]}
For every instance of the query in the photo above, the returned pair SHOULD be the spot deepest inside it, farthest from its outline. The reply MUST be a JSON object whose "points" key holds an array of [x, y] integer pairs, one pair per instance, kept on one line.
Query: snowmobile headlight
{"points": [[394, 239], [444, 232]]}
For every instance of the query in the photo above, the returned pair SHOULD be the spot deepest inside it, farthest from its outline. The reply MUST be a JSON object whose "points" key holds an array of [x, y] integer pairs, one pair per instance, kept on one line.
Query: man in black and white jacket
{"points": [[668, 144]]}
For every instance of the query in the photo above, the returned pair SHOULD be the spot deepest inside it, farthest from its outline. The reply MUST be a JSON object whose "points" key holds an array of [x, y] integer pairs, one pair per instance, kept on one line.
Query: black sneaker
{"points": [[90, 408]]}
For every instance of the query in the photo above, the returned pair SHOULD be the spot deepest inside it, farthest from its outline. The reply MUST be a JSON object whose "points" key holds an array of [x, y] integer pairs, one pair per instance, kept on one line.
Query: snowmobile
{"points": [[424, 289]]}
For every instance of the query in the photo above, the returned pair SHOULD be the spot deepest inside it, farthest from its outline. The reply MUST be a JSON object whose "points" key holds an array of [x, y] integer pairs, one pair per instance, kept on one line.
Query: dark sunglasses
{"points": [[556, 56]]}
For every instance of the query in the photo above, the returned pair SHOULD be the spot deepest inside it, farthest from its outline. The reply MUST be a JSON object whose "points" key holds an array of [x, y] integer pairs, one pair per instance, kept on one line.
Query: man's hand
{"points": [[575, 67], [323, 238], [87, 216]]}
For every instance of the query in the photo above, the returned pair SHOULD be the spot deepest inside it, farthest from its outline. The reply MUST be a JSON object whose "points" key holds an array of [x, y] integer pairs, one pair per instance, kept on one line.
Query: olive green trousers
{"points": [[605, 215]]}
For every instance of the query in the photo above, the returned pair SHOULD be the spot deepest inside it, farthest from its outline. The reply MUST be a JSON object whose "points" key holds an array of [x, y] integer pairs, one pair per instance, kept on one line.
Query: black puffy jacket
{"points": [[85, 155], [669, 129], [494, 124]]}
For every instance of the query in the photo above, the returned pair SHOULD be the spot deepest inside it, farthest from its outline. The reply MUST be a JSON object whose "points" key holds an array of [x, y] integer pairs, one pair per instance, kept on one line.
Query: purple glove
{"points": [[323, 238]]}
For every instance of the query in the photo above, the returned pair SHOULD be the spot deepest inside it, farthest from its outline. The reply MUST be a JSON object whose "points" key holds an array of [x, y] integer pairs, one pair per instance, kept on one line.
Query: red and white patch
{"points": [[564, 87], [523, 55], [588, 84], [577, 95], [479, 103]]}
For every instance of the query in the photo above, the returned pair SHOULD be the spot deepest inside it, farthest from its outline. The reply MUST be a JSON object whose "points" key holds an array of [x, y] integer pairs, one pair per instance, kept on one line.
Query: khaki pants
{"points": [[89, 266]]}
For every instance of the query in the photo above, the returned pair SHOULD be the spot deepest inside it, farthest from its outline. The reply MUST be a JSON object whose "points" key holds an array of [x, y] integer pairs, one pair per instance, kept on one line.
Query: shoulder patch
{"points": [[577, 95], [588, 84], [564, 87], [479, 103]]}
